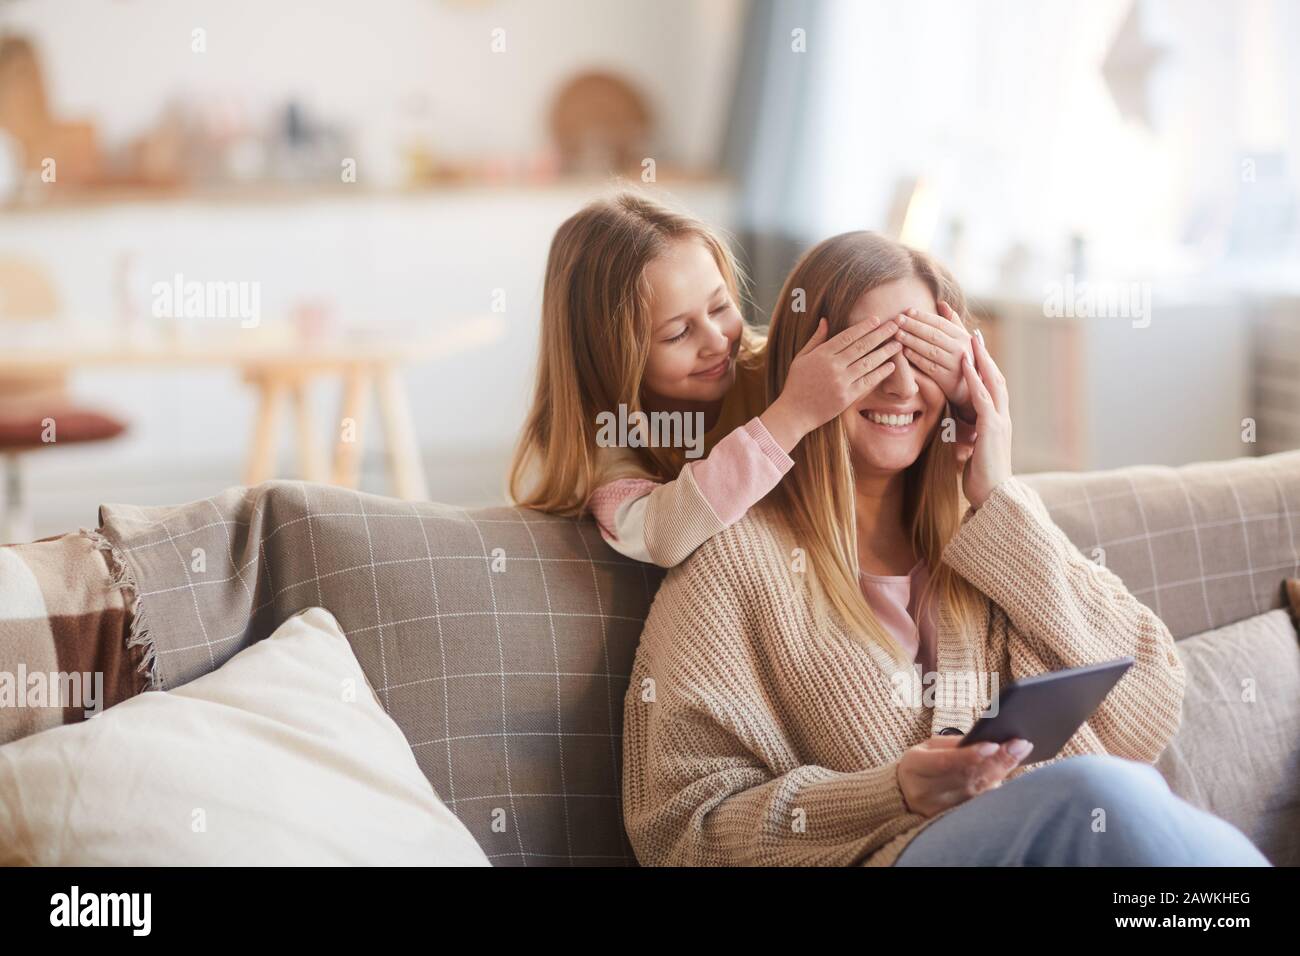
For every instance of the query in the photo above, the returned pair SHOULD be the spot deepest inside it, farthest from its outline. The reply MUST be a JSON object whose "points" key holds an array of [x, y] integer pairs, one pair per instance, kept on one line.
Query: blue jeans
{"points": [[1053, 816]]}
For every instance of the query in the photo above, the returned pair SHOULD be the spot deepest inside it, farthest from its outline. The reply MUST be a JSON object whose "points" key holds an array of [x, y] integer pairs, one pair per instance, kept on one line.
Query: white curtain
{"points": [[1001, 107]]}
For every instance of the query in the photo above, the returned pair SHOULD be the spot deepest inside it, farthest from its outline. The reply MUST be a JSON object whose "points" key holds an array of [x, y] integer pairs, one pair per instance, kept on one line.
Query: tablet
{"points": [[1048, 708]]}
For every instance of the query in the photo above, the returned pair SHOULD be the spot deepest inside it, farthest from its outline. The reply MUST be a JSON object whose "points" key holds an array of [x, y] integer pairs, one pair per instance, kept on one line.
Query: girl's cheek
{"points": [[653, 362], [666, 363]]}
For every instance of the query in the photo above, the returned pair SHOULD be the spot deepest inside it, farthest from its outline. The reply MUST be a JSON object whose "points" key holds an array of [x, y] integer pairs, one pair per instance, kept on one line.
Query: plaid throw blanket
{"points": [[499, 640], [64, 648]]}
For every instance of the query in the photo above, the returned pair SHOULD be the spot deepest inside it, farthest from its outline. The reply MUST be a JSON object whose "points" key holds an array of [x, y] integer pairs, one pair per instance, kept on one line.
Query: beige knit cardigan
{"points": [[753, 737]]}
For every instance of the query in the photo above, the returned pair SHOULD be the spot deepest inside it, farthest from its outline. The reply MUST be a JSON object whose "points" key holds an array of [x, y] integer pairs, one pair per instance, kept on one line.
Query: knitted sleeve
{"points": [[664, 523], [1066, 611], [709, 778]]}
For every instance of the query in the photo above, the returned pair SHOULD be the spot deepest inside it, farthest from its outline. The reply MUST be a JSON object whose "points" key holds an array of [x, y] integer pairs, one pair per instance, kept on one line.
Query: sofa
{"points": [[500, 640]]}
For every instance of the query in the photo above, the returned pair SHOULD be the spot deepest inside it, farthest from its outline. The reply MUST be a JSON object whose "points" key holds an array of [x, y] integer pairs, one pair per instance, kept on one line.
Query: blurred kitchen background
{"points": [[306, 239]]}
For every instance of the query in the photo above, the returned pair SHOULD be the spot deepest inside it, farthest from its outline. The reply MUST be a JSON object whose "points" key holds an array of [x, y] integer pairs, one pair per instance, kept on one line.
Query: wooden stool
{"points": [[26, 433], [35, 411]]}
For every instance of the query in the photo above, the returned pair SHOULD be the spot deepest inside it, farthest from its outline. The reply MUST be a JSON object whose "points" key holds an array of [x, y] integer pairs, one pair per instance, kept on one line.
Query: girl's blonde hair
{"points": [[595, 342], [816, 498]]}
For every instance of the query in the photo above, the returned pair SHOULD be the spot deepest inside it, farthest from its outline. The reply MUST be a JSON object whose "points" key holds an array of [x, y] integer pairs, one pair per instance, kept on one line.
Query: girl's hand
{"points": [[990, 462], [937, 774], [827, 377], [935, 344]]}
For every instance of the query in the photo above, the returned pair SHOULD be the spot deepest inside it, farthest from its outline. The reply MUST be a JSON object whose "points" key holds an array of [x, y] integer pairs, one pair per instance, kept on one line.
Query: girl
{"points": [[640, 317], [786, 725]]}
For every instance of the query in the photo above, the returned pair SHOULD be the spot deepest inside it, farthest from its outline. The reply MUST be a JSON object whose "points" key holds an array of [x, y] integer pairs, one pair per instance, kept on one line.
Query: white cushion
{"points": [[281, 756]]}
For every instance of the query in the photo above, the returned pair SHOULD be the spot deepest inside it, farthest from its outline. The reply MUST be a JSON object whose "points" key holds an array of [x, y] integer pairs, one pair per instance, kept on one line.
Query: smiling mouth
{"points": [[717, 370], [892, 423]]}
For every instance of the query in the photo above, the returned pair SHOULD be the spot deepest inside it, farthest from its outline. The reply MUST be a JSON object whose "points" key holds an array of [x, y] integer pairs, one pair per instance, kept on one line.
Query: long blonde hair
{"points": [[595, 343], [816, 498]]}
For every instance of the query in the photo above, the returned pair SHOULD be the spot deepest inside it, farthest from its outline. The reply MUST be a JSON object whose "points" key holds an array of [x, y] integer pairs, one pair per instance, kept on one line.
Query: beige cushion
{"points": [[1203, 546], [1237, 753], [281, 756], [500, 640]]}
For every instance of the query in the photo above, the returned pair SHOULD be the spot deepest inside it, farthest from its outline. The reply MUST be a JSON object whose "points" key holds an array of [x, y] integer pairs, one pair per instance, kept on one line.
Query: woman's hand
{"points": [[934, 344], [937, 774], [827, 377], [990, 462]]}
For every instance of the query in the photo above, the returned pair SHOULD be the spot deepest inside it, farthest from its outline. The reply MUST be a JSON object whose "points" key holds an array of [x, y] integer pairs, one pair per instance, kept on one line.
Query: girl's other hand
{"points": [[829, 375], [934, 344]]}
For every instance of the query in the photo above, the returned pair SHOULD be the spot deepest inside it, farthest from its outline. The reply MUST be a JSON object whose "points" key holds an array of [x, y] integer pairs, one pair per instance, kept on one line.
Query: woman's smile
{"points": [[894, 423]]}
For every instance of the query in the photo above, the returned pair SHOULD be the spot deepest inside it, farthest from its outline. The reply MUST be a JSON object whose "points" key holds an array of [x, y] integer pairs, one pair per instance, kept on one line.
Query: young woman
{"points": [[772, 716], [640, 317]]}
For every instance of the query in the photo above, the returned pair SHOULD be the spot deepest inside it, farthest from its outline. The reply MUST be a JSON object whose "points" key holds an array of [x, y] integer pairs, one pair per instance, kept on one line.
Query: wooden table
{"points": [[282, 370]]}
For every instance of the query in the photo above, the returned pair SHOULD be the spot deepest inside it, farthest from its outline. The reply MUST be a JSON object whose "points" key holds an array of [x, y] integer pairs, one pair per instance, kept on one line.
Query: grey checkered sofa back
{"points": [[501, 640]]}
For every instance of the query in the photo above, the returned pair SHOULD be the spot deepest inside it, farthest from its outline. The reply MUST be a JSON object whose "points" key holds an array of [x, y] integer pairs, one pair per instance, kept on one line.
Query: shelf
{"points": [[79, 199]]}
